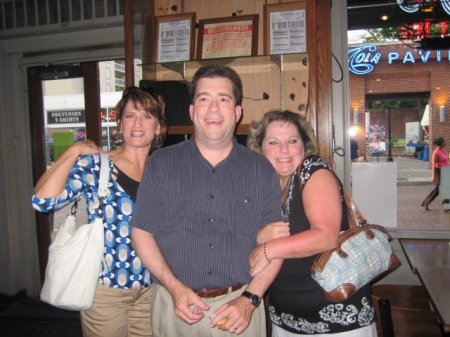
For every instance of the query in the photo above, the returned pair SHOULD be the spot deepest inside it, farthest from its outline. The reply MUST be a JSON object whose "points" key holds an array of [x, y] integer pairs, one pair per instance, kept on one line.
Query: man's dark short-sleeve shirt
{"points": [[204, 218]]}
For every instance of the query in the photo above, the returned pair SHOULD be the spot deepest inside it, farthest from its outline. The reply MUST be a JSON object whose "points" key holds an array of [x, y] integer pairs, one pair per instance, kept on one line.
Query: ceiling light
{"points": [[384, 17]]}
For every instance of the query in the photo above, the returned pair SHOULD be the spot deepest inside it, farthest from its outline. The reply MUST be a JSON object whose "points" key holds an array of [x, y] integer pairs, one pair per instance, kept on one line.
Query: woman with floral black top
{"points": [[316, 211]]}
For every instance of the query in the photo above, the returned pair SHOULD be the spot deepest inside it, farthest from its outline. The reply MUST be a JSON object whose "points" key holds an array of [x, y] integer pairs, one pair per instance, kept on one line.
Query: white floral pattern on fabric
{"points": [[309, 166], [333, 313], [300, 324]]}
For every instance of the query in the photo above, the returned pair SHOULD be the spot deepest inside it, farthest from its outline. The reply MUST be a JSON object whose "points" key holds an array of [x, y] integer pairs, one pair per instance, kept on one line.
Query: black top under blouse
{"points": [[128, 184], [296, 301]]}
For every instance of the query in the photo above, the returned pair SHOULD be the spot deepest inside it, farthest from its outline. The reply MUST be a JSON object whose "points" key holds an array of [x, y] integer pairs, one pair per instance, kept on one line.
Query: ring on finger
{"points": [[220, 324]]}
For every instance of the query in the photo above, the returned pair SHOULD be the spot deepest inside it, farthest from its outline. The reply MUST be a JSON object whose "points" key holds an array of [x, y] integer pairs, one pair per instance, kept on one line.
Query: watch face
{"points": [[254, 299]]}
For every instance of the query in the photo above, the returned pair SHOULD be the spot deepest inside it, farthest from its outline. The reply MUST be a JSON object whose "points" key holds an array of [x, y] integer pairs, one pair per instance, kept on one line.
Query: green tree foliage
{"points": [[381, 35]]}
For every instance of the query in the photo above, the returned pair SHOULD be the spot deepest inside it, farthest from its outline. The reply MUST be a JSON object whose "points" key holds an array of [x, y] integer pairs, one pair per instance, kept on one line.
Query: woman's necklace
{"points": [[287, 197]]}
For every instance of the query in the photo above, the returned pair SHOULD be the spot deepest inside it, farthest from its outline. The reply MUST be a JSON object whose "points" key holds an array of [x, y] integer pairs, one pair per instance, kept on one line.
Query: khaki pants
{"points": [[118, 313], [166, 324]]}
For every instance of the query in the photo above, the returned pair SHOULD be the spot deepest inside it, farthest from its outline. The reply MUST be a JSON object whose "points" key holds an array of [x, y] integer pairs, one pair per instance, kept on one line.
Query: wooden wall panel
{"points": [[214, 9], [167, 7], [221, 8], [316, 76]]}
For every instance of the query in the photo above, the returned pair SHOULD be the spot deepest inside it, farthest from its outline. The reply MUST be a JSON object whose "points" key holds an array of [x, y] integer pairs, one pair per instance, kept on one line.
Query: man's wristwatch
{"points": [[254, 299]]}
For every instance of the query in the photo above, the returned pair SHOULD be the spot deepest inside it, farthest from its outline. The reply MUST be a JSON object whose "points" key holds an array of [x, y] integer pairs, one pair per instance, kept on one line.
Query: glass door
{"points": [[64, 115], [64, 108]]}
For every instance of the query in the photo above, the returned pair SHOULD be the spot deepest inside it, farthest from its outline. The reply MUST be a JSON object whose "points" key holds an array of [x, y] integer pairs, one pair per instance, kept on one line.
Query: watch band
{"points": [[254, 299]]}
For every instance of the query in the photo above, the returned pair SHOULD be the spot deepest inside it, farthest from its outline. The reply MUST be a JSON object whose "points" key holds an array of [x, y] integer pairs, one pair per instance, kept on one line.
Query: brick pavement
{"points": [[413, 185], [410, 215]]}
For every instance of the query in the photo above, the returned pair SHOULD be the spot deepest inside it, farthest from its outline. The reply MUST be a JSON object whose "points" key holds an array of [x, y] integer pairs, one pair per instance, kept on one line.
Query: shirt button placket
{"points": [[212, 196]]}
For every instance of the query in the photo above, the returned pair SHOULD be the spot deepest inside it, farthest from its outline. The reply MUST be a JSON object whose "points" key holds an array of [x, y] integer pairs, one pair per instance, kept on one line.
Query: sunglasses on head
{"points": [[149, 90]]}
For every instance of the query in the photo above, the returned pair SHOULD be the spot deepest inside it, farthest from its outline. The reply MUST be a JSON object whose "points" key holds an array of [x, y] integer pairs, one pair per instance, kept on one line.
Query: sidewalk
{"points": [[412, 171], [413, 185]]}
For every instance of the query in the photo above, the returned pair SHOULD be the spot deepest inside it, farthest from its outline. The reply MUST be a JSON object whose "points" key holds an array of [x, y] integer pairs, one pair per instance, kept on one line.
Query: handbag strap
{"points": [[104, 176], [103, 184], [102, 195], [355, 217], [353, 211]]}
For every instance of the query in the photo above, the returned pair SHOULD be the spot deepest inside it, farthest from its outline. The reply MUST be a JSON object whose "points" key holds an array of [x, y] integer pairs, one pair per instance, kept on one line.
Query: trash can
{"points": [[426, 153]]}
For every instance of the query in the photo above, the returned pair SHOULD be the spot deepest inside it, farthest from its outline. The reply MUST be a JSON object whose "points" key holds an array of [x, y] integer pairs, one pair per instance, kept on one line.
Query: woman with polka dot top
{"points": [[121, 305]]}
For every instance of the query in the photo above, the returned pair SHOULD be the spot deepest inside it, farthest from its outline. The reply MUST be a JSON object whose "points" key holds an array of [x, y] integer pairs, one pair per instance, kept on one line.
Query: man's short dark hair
{"points": [[216, 70]]}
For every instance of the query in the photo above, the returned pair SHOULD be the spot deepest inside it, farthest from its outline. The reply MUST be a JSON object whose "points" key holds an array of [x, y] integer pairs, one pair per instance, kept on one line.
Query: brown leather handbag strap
{"points": [[353, 210]]}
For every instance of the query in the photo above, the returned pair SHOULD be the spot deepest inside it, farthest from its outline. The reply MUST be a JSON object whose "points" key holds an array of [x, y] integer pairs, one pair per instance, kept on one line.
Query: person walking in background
{"points": [[123, 295], [353, 149], [199, 208], [439, 159], [315, 206]]}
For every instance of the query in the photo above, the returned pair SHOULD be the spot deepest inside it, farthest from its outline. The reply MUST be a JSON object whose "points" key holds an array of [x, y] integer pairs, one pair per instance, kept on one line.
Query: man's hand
{"points": [[188, 306], [233, 316], [272, 231]]}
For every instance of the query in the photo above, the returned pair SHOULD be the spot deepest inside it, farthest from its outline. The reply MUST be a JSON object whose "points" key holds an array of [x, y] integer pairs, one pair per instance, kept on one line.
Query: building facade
{"points": [[392, 73]]}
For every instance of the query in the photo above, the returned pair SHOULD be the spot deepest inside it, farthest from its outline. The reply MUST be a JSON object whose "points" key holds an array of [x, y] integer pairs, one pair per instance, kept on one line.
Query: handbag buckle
{"points": [[73, 209]]}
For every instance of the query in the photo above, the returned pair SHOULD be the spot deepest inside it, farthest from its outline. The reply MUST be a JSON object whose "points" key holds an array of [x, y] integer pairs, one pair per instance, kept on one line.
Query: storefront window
{"points": [[398, 101], [65, 120]]}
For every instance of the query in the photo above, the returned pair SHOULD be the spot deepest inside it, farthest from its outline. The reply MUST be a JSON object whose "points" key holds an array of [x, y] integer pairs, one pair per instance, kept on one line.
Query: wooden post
{"points": [[320, 82], [129, 42]]}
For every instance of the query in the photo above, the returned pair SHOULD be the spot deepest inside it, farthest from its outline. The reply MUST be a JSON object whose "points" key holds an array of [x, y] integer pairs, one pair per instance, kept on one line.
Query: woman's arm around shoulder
{"points": [[323, 208], [53, 181]]}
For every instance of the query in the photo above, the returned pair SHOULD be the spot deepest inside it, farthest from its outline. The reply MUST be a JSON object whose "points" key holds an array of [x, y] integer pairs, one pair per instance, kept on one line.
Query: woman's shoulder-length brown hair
{"points": [[152, 103]]}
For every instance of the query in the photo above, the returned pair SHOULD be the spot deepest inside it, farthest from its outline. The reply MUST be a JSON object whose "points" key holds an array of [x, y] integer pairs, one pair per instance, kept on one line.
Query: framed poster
{"points": [[285, 28], [175, 37], [228, 37]]}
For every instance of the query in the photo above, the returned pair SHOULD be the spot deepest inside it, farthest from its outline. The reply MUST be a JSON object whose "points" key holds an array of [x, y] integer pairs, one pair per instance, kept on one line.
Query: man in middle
{"points": [[199, 208]]}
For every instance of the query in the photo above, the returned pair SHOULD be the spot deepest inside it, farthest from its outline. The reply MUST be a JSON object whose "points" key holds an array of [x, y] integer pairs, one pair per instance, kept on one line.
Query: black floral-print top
{"points": [[296, 301]]}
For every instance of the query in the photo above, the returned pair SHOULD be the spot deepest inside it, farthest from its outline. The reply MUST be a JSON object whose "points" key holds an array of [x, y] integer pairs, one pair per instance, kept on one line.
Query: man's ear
{"points": [[191, 110], [238, 113]]}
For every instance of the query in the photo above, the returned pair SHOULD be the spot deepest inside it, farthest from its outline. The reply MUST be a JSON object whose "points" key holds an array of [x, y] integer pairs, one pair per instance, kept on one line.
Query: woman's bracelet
{"points": [[265, 253]]}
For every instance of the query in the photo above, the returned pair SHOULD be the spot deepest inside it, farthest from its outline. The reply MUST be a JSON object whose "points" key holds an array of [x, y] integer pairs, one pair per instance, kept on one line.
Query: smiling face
{"points": [[283, 147], [214, 112], [138, 126]]}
